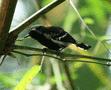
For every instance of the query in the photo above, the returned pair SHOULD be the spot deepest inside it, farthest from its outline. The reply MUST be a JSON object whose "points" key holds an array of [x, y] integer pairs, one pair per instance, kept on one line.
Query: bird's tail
{"points": [[83, 46]]}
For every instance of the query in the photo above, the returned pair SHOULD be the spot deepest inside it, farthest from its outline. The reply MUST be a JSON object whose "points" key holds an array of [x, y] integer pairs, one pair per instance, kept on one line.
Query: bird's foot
{"points": [[44, 50]]}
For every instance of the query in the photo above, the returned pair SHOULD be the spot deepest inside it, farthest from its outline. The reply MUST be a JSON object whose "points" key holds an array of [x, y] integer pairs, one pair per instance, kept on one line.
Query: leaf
{"points": [[27, 78]]}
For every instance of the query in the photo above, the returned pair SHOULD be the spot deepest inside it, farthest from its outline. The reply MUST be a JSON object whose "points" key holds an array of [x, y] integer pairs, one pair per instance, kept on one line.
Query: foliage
{"points": [[84, 76], [28, 78]]}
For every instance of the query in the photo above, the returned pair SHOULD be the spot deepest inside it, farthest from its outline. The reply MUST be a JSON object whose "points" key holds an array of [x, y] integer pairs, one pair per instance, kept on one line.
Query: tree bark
{"points": [[7, 8]]}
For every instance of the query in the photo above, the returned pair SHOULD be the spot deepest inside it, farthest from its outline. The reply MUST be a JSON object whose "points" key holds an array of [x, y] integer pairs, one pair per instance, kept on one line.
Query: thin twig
{"points": [[2, 59], [28, 55], [67, 71], [18, 47], [87, 61], [66, 60], [86, 26], [64, 55], [43, 58], [57, 74], [26, 48], [87, 57]]}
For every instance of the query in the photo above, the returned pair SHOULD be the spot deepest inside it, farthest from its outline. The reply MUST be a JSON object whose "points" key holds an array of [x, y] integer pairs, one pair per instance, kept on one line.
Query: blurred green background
{"points": [[96, 14]]}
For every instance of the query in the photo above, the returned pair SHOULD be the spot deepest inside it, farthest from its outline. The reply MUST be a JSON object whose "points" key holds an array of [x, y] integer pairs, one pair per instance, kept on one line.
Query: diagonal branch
{"points": [[35, 16]]}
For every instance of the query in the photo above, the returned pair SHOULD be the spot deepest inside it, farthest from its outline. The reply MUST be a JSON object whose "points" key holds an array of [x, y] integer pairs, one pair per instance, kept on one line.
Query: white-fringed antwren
{"points": [[54, 37]]}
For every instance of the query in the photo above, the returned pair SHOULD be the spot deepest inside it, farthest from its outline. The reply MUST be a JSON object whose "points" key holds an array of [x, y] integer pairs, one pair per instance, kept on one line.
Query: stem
{"points": [[88, 57], [64, 55], [86, 26], [42, 60], [67, 71], [2, 59], [57, 74], [35, 16], [86, 61], [66, 60]]}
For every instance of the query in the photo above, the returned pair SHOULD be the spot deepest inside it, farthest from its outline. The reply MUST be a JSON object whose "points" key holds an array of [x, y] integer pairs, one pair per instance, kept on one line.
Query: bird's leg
{"points": [[58, 52], [43, 57], [44, 50]]}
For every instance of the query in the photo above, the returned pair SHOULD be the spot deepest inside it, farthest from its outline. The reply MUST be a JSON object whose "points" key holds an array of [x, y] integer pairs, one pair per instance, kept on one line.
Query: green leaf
{"points": [[89, 21], [28, 77]]}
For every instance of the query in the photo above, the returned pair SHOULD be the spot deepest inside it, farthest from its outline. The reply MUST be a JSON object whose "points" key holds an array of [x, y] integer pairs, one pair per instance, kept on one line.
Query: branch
{"points": [[86, 26], [35, 16], [64, 55], [7, 8], [67, 71], [2, 59], [61, 59]]}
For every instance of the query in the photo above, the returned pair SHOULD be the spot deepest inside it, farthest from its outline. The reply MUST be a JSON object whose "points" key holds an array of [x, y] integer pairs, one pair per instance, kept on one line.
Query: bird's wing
{"points": [[60, 43], [59, 34], [54, 33]]}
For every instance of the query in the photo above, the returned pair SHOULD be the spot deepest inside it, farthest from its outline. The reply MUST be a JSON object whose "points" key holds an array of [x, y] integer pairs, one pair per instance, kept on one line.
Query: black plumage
{"points": [[54, 37]]}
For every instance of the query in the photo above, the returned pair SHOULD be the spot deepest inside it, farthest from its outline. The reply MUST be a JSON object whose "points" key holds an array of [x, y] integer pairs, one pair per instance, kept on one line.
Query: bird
{"points": [[54, 37]]}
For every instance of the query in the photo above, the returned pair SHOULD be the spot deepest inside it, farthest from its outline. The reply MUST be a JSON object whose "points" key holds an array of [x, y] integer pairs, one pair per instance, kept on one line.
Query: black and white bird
{"points": [[54, 38]]}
